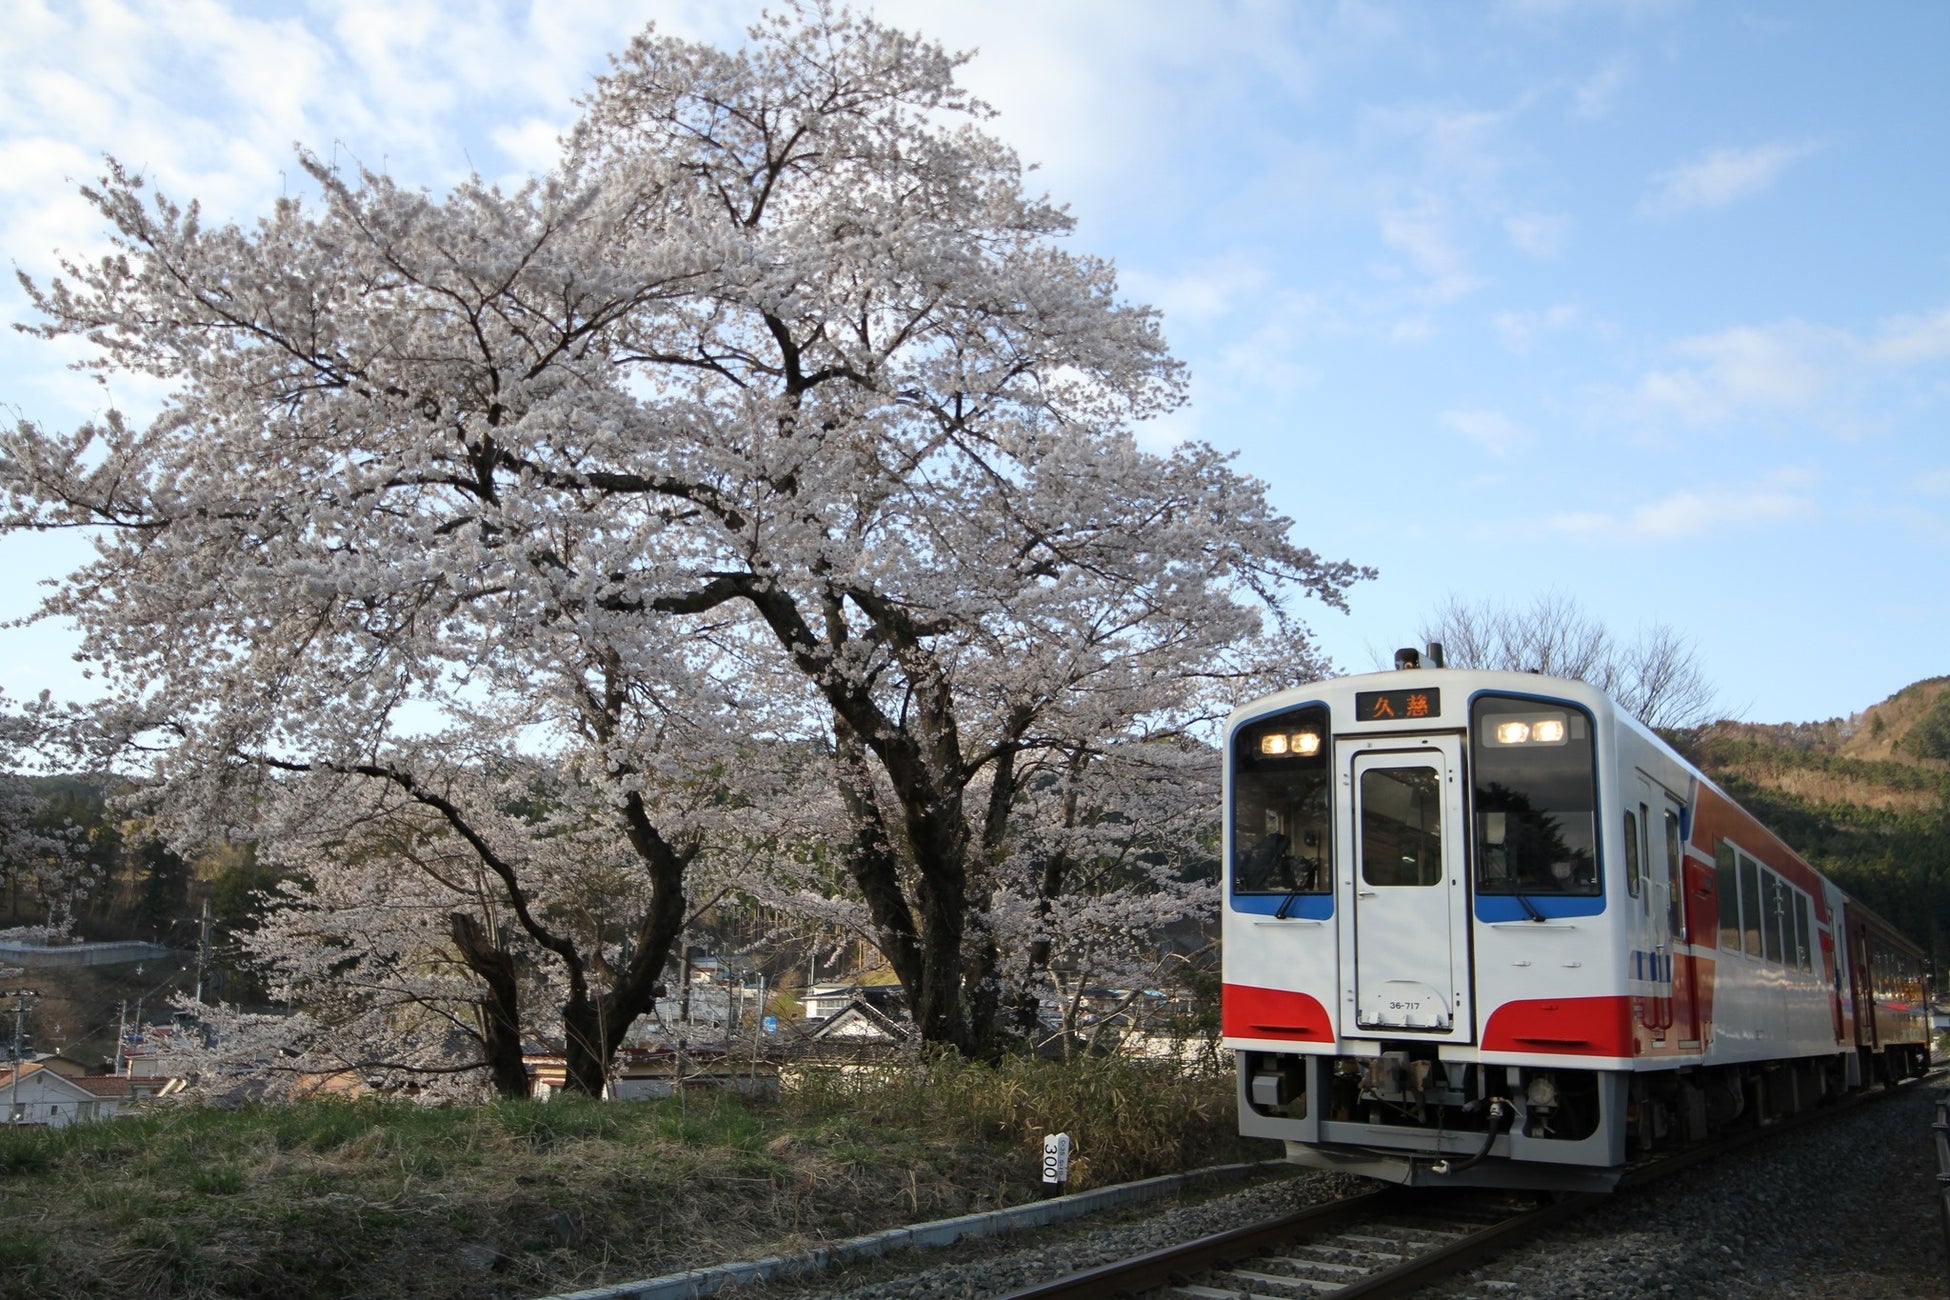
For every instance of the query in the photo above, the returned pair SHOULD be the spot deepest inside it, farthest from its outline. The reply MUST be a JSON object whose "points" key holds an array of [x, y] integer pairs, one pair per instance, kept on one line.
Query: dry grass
{"points": [[354, 1198]]}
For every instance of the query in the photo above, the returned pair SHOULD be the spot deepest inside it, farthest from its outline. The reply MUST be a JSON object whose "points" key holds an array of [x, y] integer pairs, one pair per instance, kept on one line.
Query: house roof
{"points": [[77, 1087], [86, 1085], [858, 1012], [105, 1085]]}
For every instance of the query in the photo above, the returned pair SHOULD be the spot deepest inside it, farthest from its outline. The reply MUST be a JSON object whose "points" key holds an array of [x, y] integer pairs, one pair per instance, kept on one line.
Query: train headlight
{"points": [[1272, 744], [1548, 729], [1306, 743]]}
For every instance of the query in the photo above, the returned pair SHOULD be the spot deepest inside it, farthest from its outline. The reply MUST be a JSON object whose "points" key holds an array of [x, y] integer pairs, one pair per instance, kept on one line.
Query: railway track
{"points": [[1386, 1243]]}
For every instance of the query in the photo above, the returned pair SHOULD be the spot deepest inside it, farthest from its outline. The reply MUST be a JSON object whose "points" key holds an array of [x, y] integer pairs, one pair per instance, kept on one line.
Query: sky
{"points": [[1641, 302]]}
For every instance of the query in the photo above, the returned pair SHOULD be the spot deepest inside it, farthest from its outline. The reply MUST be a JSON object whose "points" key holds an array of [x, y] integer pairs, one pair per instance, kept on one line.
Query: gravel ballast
{"points": [[1842, 1209]]}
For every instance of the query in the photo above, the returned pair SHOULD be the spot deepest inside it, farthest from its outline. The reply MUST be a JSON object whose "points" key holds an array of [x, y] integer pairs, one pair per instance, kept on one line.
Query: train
{"points": [[1485, 928]]}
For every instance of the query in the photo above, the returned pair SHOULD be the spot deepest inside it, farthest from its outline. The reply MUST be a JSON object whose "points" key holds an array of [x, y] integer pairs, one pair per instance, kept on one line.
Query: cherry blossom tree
{"points": [[776, 415], [42, 854]]}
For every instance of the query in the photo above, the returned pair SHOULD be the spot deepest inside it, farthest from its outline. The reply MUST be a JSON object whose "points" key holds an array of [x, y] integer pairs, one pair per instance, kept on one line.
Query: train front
{"points": [[1418, 965]]}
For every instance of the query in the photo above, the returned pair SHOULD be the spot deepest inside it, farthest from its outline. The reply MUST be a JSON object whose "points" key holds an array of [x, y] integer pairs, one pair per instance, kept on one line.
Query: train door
{"points": [[1647, 888], [1834, 952], [1404, 888], [1684, 1020], [1864, 958]]}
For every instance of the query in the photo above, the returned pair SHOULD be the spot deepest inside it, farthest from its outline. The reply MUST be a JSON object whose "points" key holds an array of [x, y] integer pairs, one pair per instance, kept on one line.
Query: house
{"points": [[879, 989], [859, 1021], [48, 1098]]}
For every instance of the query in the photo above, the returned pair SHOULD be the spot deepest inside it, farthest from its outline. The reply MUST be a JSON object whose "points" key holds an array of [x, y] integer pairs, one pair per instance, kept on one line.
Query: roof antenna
{"points": [[1434, 655]]}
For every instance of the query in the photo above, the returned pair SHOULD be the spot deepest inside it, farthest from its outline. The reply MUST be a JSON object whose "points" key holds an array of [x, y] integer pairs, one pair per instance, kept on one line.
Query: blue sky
{"points": [[1646, 303]]}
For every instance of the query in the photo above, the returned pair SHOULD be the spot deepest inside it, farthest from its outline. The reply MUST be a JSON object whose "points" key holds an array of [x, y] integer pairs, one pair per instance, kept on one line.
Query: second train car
{"points": [[1485, 928]]}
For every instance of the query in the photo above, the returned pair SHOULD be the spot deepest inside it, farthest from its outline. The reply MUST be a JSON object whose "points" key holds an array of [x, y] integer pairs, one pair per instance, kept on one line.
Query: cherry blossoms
{"points": [[503, 560]]}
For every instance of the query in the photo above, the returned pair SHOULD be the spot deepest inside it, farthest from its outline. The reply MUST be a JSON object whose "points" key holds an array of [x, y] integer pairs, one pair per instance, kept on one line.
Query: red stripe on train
{"points": [[1248, 1012], [1574, 1026]]}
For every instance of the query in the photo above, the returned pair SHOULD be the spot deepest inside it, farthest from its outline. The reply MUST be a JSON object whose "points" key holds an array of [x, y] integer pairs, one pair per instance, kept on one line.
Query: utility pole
{"points": [[20, 997], [121, 1031], [202, 949]]}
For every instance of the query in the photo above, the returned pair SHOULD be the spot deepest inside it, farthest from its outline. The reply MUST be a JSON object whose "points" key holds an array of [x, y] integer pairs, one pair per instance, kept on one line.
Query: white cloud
{"points": [[1539, 234], [1519, 330], [1411, 330], [1422, 233], [1493, 431], [1102, 94], [1720, 177], [1552, 11], [1693, 513], [1779, 367], [1201, 294], [1593, 97], [1907, 340], [1463, 149], [1792, 369], [533, 145], [1271, 357]]}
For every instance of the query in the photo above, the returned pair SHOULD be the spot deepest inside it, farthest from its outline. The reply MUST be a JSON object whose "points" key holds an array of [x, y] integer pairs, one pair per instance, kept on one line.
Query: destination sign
{"points": [[1396, 706]]}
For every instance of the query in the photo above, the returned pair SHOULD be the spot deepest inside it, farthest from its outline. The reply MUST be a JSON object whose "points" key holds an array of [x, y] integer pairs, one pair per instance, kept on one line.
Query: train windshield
{"points": [[1280, 783], [1536, 797]]}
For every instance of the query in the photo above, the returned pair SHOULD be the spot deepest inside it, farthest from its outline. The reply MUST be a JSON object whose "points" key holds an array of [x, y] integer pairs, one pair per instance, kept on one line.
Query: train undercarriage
{"points": [[1406, 1115]]}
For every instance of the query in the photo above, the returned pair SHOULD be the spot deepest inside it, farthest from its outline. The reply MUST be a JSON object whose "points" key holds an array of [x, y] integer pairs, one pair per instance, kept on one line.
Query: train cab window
{"points": [[1534, 797], [1774, 902], [1280, 810], [1803, 948], [1727, 869], [1401, 826], [1750, 905]]}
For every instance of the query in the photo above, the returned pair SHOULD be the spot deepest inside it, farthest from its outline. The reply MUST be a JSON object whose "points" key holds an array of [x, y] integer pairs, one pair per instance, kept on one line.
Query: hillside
{"points": [[1866, 798]]}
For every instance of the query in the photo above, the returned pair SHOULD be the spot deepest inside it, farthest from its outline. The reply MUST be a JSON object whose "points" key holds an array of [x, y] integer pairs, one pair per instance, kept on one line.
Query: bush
{"points": [[1126, 1119]]}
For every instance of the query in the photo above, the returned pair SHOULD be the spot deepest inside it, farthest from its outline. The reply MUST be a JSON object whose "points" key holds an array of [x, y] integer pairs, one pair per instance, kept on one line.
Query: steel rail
{"points": [[1169, 1264], [1159, 1267]]}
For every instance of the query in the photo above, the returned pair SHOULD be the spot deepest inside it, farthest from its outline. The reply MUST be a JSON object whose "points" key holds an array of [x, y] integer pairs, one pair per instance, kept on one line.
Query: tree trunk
{"points": [[499, 1012], [593, 1028]]}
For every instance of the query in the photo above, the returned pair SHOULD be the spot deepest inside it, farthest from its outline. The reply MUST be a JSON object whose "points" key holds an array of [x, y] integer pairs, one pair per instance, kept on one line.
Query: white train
{"points": [[1485, 928]]}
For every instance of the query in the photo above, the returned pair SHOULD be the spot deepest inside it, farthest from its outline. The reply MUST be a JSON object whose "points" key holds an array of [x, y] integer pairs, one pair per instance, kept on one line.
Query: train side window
{"points": [[1632, 865], [1728, 873], [1750, 913], [1675, 877], [1774, 904], [1803, 948]]}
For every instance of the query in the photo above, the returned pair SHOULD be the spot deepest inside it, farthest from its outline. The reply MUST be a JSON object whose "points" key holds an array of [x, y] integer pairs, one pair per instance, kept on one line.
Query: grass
{"points": [[337, 1198]]}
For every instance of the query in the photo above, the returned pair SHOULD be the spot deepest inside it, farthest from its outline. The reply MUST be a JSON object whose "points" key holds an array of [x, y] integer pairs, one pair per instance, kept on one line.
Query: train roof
{"points": [[1470, 681]]}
